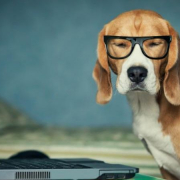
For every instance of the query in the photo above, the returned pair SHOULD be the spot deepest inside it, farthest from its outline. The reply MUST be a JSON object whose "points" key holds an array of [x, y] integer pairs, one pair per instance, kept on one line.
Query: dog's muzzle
{"points": [[137, 74]]}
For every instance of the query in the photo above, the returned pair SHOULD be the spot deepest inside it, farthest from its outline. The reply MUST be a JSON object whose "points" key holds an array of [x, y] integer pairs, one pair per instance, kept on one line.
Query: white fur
{"points": [[146, 112], [146, 126], [137, 58]]}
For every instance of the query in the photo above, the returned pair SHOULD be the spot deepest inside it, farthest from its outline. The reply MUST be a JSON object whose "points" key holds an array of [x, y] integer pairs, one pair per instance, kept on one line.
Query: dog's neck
{"points": [[142, 102], [147, 107], [145, 111], [153, 114]]}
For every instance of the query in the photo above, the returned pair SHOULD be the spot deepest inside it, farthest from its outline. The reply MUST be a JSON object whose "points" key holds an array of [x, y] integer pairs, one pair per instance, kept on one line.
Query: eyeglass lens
{"points": [[155, 48]]}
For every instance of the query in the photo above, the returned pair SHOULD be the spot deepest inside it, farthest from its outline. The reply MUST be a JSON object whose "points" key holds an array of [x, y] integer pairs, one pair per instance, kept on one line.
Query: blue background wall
{"points": [[48, 52]]}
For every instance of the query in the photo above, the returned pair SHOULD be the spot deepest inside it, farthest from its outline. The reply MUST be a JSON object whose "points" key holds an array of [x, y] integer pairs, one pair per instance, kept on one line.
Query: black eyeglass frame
{"points": [[137, 40]]}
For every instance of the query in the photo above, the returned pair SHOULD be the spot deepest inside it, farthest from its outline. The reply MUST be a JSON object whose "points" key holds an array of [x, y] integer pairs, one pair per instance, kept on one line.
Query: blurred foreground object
{"points": [[18, 132], [11, 117]]}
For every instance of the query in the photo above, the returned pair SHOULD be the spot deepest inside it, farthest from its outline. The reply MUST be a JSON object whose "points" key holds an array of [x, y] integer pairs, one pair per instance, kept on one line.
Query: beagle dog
{"points": [[142, 49]]}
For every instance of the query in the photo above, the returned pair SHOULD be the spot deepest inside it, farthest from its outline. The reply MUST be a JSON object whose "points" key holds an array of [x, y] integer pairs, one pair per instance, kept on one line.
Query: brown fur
{"points": [[167, 70], [167, 175]]}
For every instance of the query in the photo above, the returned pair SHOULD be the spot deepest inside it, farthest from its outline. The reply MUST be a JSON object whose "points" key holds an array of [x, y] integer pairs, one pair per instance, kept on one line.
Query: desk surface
{"points": [[144, 177]]}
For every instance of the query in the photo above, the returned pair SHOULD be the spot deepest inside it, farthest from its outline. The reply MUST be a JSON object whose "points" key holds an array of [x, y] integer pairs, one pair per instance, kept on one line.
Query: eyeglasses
{"points": [[154, 47]]}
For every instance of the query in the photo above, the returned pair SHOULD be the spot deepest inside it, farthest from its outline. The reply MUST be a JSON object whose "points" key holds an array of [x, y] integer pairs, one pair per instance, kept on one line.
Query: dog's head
{"points": [[139, 71]]}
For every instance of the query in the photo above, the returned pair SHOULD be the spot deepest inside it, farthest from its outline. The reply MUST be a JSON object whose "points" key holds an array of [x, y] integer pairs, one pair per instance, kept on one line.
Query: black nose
{"points": [[137, 74]]}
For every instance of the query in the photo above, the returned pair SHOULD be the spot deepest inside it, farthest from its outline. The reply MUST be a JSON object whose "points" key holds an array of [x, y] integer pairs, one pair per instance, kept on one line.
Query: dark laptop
{"points": [[56, 169]]}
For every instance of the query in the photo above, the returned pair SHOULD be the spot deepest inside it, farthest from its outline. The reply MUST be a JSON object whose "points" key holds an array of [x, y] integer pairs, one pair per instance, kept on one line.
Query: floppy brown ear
{"points": [[172, 76], [101, 72]]}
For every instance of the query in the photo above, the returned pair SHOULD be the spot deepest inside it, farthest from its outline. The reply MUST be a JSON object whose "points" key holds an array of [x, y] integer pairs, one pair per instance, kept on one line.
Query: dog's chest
{"points": [[148, 129]]}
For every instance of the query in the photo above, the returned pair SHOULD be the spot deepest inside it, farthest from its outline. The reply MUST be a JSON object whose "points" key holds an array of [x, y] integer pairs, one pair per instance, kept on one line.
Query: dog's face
{"points": [[137, 72], [137, 62]]}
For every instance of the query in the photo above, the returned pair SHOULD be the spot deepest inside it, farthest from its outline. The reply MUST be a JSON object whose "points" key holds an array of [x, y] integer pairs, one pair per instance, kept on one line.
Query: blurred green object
{"points": [[144, 177]]}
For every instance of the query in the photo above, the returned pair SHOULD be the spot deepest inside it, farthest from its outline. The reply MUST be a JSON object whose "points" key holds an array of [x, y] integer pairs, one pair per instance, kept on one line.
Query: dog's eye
{"points": [[122, 45], [153, 44]]}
